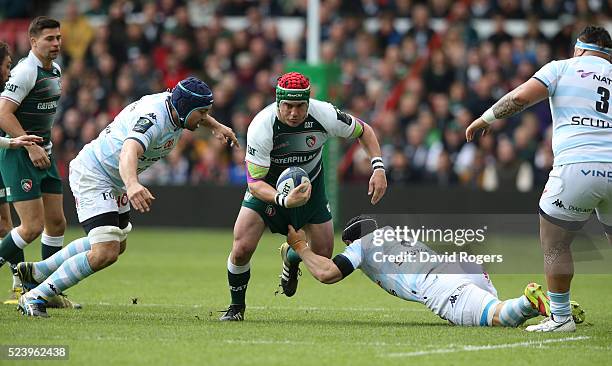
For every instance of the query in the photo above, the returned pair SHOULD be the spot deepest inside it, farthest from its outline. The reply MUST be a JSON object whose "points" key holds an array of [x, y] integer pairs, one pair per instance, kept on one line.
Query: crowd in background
{"points": [[418, 88]]}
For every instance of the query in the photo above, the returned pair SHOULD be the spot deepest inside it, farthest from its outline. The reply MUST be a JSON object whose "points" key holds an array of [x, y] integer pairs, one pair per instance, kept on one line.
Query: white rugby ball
{"points": [[291, 178]]}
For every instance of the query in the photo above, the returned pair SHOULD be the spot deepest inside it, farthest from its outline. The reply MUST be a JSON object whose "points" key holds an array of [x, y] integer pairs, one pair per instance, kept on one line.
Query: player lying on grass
{"points": [[104, 181], [467, 299]]}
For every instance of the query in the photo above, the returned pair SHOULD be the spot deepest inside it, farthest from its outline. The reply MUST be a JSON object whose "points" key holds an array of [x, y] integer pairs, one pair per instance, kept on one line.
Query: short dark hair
{"points": [[40, 23], [596, 35], [4, 51]]}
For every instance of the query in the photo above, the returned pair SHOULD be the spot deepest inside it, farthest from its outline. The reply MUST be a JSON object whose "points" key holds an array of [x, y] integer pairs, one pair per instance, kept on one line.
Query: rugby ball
{"points": [[291, 178]]}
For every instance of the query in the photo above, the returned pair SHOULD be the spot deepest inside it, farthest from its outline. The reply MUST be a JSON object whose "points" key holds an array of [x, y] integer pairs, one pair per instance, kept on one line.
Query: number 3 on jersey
{"points": [[604, 105]]}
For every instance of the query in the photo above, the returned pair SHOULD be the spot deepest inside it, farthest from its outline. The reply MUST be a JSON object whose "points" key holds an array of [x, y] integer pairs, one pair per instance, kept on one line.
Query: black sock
{"points": [[47, 250], [238, 286], [7, 249], [17, 258]]}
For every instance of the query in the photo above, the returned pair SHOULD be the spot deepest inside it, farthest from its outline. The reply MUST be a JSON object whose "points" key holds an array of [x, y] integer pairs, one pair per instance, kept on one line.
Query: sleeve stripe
{"points": [[140, 142], [248, 174], [11, 99], [357, 129], [255, 172], [538, 79]]}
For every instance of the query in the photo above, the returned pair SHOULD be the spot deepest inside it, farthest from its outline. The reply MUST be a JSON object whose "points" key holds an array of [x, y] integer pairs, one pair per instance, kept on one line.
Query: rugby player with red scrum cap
{"points": [[288, 133]]}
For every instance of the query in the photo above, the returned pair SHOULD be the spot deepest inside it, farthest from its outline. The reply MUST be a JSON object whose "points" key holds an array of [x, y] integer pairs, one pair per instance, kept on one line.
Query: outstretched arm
{"points": [[378, 182], [19, 141], [221, 131], [527, 94], [321, 268]]}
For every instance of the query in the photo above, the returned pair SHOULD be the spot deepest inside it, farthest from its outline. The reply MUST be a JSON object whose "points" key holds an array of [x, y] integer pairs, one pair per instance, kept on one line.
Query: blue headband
{"points": [[593, 47]]}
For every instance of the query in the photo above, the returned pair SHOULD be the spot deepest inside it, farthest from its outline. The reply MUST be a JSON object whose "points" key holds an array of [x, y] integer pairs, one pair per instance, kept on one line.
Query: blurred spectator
{"points": [[416, 150], [459, 17], [76, 33], [511, 8], [438, 75], [444, 176], [399, 170], [117, 28], [386, 35], [548, 9], [499, 35], [97, 8], [421, 31], [481, 8], [418, 87], [508, 173], [12, 9], [236, 173]]}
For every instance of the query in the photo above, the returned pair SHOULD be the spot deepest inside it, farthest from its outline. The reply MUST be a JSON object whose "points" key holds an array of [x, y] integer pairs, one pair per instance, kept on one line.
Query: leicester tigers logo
{"points": [[311, 140], [270, 211], [169, 144], [26, 185]]}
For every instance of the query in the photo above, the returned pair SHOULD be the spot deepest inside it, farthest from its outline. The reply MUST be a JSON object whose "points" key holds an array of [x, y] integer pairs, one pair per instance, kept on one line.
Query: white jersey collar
{"points": [[32, 58]]}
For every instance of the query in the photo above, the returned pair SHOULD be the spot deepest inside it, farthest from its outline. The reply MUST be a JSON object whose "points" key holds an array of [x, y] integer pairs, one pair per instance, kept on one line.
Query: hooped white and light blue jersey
{"points": [[147, 121], [406, 279], [580, 94]]}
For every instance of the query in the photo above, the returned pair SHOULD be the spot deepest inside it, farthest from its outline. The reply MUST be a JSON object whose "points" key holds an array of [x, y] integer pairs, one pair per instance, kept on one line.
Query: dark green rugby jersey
{"points": [[273, 146], [36, 91]]}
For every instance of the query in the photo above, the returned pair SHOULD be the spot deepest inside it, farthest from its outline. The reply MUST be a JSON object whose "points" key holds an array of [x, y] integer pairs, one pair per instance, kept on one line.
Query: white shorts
{"points": [[574, 191], [94, 194], [461, 298]]}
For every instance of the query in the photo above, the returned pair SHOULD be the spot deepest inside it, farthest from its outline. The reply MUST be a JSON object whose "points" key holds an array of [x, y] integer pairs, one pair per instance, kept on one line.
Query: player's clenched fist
{"points": [[140, 197], [299, 196]]}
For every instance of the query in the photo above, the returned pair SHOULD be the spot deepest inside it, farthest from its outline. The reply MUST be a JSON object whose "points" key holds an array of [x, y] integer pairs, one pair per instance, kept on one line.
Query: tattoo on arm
{"points": [[507, 106]]}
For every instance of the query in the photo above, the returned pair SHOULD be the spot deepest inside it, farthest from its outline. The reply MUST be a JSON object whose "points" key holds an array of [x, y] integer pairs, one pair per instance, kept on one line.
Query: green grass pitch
{"points": [[178, 277]]}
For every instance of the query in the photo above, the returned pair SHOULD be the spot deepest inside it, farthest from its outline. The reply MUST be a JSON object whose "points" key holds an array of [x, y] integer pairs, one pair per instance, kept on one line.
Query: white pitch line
{"points": [[471, 348], [301, 308]]}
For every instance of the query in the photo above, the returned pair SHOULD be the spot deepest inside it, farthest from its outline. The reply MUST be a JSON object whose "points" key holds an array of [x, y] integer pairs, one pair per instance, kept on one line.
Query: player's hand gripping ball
{"points": [[291, 178]]}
